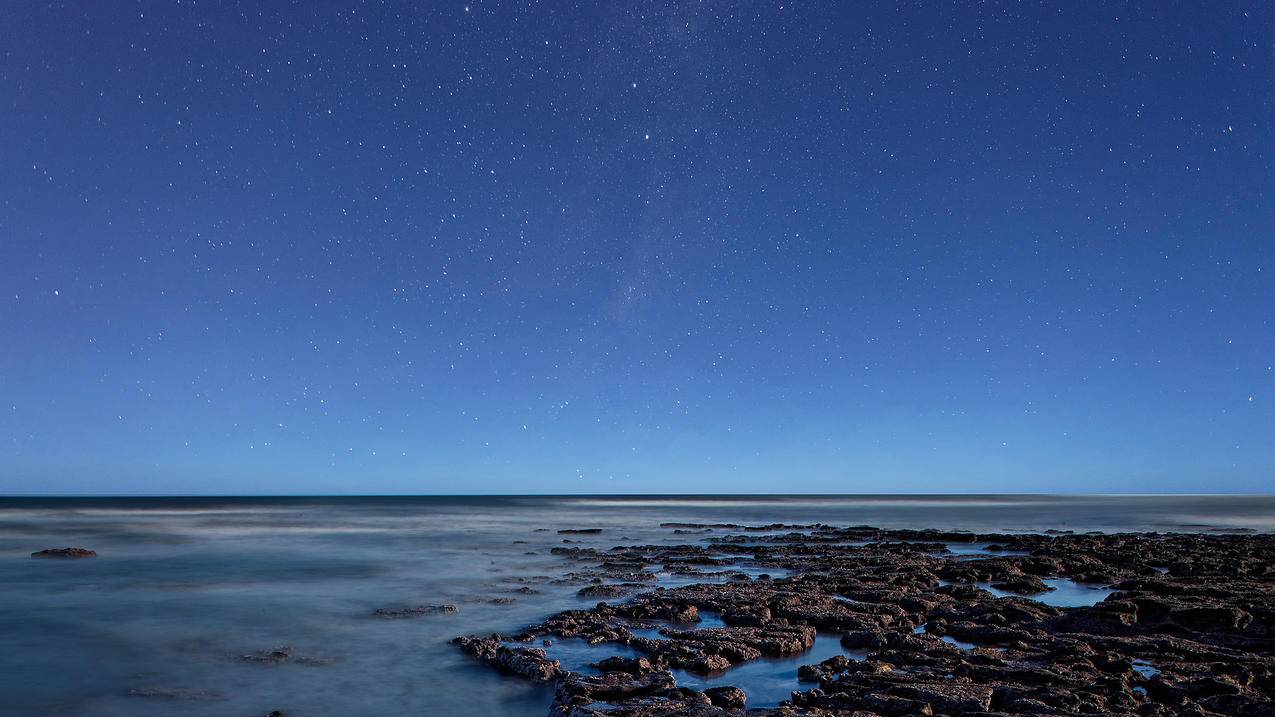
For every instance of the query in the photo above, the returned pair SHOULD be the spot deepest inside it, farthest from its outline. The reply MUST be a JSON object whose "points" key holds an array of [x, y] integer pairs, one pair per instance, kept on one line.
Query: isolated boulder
{"points": [[65, 553]]}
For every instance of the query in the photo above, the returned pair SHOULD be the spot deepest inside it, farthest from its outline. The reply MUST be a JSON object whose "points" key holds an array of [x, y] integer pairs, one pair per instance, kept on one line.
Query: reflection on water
{"points": [[768, 681], [183, 587], [948, 639], [717, 574], [650, 629], [578, 655], [1065, 593], [980, 550]]}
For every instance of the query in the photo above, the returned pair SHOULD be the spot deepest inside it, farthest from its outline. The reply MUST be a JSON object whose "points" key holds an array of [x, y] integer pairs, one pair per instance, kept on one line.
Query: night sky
{"points": [[637, 247]]}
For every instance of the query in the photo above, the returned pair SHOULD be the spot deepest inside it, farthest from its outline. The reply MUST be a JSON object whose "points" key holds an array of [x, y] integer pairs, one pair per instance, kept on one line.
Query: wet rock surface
{"points": [[1185, 624]]}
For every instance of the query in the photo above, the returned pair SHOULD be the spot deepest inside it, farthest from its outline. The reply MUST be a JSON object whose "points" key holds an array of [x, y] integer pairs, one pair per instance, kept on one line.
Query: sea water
{"points": [[183, 587]]}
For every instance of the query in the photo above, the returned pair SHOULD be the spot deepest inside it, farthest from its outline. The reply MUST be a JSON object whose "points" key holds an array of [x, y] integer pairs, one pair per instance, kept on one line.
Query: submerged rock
{"points": [[418, 611], [68, 553], [174, 693], [284, 654], [277, 655]]}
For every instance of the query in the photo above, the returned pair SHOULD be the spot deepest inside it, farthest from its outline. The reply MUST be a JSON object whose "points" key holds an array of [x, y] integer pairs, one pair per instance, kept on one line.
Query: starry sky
{"points": [[382, 247]]}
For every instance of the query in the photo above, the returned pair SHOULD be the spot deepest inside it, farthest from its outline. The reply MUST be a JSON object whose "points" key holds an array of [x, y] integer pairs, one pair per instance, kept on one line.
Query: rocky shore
{"points": [[929, 622]]}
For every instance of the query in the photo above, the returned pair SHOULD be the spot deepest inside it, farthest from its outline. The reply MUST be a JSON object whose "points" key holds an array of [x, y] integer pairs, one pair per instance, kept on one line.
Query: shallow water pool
{"points": [[948, 639], [1065, 593], [770, 680]]}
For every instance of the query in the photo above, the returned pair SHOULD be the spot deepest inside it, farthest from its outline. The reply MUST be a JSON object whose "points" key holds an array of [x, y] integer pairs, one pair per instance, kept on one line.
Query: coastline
{"points": [[924, 626], [242, 606]]}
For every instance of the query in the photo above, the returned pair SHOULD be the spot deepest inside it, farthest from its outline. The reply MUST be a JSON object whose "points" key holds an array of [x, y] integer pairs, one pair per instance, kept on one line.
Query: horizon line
{"points": [[1041, 494]]}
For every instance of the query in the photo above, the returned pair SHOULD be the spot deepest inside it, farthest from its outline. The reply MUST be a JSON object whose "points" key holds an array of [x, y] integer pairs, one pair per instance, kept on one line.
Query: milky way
{"points": [[653, 247]]}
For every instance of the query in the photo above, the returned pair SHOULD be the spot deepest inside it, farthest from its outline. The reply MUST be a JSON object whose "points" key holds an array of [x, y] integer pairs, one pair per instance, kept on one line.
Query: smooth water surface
{"points": [[183, 587], [1065, 593], [921, 630], [1145, 668]]}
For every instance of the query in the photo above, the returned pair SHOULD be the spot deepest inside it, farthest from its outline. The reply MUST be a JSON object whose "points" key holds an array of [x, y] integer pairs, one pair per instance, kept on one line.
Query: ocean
{"points": [[183, 588]]}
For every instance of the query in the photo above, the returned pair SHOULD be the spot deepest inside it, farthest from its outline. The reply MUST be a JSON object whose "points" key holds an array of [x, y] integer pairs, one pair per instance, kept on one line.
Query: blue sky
{"points": [[537, 247]]}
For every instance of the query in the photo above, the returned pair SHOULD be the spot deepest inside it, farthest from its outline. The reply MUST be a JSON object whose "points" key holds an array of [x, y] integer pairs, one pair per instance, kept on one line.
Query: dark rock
{"points": [[607, 591], [1208, 625], [610, 686], [1022, 584], [418, 611], [65, 553], [731, 698], [949, 698], [275, 656], [631, 665], [528, 662]]}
